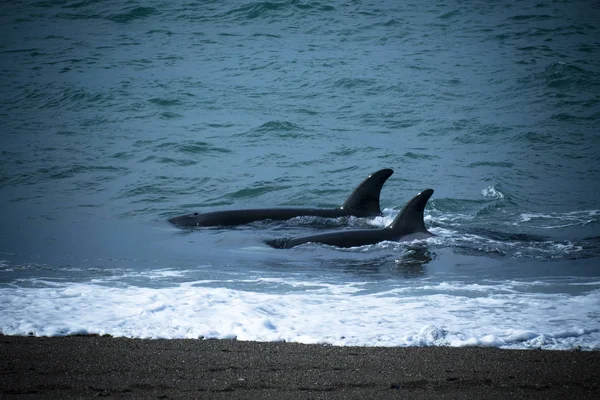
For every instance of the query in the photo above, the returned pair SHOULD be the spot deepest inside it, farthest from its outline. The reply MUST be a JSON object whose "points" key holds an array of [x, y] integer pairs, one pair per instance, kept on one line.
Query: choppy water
{"points": [[118, 115]]}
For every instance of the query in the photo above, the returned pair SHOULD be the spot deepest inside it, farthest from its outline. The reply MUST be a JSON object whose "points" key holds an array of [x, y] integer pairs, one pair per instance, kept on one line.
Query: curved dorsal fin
{"points": [[410, 219], [364, 200]]}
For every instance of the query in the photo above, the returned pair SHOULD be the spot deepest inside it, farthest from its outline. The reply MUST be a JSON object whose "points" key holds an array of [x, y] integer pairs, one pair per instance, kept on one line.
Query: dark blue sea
{"points": [[118, 115]]}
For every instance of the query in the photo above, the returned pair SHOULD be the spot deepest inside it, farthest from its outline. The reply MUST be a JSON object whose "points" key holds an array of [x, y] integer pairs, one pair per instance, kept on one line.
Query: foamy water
{"points": [[493, 314]]}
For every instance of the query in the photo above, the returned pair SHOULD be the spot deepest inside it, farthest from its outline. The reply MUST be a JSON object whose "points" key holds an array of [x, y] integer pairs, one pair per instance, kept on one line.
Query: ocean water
{"points": [[117, 115]]}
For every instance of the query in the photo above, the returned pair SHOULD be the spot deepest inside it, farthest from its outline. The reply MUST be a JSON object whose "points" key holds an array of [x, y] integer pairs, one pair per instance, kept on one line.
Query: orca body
{"points": [[363, 202], [408, 225]]}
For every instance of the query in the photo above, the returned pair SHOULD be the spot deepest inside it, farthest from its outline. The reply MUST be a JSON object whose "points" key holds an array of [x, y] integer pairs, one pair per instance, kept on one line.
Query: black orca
{"points": [[363, 202], [408, 225]]}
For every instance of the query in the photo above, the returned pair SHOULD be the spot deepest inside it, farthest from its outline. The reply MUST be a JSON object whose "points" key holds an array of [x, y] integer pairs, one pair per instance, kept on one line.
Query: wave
{"points": [[331, 314], [274, 9], [277, 129], [558, 220], [132, 14]]}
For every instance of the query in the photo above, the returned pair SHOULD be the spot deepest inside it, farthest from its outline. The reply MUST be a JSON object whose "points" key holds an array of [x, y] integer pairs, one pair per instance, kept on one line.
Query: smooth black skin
{"points": [[408, 225], [363, 202]]}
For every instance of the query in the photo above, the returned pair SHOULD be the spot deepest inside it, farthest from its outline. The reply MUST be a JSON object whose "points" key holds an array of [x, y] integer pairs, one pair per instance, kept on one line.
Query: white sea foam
{"points": [[490, 191], [443, 314], [384, 220], [558, 220]]}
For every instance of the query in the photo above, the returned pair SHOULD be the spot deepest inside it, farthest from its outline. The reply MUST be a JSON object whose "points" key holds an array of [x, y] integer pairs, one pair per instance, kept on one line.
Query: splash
{"points": [[490, 191]]}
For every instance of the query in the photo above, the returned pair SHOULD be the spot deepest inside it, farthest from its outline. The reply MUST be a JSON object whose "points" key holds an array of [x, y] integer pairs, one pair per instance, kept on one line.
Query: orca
{"points": [[408, 225], [363, 202]]}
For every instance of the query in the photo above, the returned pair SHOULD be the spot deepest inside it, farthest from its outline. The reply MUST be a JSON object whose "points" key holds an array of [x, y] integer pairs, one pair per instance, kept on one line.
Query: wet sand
{"points": [[93, 366]]}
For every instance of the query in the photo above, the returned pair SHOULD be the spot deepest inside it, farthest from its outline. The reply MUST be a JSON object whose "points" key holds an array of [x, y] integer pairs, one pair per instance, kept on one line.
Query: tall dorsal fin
{"points": [[364, 200], [410, 219]]}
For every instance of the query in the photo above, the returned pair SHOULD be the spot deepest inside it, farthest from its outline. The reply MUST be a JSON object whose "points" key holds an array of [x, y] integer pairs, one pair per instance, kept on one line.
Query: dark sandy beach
{"points": [[92, 366]]}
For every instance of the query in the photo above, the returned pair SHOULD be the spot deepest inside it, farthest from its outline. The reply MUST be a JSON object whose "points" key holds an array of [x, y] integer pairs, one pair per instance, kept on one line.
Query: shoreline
{"points": [[91, 366]]}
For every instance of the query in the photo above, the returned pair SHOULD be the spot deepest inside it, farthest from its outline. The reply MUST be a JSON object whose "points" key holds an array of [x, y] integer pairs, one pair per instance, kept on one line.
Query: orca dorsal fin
{"points": [[410, 219], [364, 200]]}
